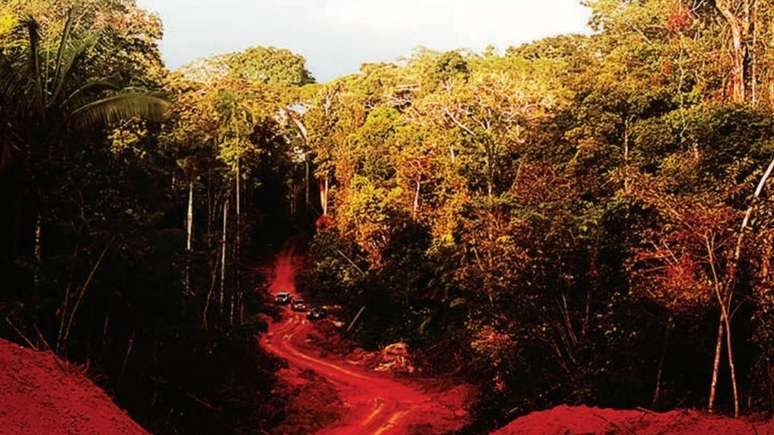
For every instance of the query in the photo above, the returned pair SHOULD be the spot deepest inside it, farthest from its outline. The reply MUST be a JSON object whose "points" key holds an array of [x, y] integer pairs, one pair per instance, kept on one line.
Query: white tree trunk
{"points": [[715, 369], [737, 16], [238, 234], [223, 259], [189, 234], [189, 219], [731, 365], [324, 195], [416, 200], [306, 183]]}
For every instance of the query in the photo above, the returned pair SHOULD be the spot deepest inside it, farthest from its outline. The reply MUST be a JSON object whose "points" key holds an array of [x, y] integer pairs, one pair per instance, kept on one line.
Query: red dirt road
{"points": [[374, 404]]}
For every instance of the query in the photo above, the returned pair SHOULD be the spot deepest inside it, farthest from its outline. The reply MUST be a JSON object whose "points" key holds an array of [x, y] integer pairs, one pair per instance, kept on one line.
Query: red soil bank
{"points": [[571, 420], [40, 396]]}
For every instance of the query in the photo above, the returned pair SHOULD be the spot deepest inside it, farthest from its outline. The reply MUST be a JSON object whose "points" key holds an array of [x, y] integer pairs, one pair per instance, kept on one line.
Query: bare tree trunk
{"points": [[209, 209], [293, 197], [731, 279], [214, 276], [753, 57], [306, 182], [626, 141], [726, 300], [129, 348], [626, 153], [238, 234], [37, 252], [63, 319], [731, 366], [63, 344], [725, 317], [715, 368], [189, 219], [223, 259], [324, 195], [241, 309], [357, 316], [489, 175], [66, 301], [305, 135], [189, 233], [740, 29], [106, 324], [416, 200], [659, 375], [737, 55]]}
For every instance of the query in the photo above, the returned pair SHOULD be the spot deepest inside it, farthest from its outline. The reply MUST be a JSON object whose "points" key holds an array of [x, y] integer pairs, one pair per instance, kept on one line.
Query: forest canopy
{"points": [[580, 219]]}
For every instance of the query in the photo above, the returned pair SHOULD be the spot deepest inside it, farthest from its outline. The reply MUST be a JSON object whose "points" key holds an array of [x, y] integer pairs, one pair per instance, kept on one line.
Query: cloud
{"points": [[336, 36]]}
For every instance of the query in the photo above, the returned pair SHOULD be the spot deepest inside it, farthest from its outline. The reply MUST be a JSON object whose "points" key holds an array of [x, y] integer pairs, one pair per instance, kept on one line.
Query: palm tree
{"points": [[56, 95], [49, 95]]}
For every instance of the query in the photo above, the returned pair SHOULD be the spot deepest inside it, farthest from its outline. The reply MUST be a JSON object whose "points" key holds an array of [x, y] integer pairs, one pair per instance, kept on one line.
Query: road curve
{"points": [[375, 404]]}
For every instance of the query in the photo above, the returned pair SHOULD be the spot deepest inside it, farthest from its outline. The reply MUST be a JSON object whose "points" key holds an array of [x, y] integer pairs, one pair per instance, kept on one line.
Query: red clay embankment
{"points": [[575, 420], [40, 395]]}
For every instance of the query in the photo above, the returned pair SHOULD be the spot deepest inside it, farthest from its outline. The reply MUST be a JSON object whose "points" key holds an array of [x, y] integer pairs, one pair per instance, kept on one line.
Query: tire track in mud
{"points": [[374, 404]]}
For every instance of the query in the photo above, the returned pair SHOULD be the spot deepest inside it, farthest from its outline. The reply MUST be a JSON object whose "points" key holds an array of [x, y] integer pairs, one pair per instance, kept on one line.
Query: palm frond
{"points": [[14, 84], [33, 32], [118, 107], [63, 42], [77, 55], [94, 85]]}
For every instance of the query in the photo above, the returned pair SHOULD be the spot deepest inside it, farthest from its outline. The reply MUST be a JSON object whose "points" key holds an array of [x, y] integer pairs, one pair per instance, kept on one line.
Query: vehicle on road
{"points": [[299, 305], [316, 314], [283, 298]]}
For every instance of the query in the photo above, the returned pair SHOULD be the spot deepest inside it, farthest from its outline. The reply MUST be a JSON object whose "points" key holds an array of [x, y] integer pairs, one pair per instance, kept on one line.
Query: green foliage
{"points": [[271, 66], [257, 65], [7, 22], [554, 224], [101, 150], [119, 107], [545, 192]]}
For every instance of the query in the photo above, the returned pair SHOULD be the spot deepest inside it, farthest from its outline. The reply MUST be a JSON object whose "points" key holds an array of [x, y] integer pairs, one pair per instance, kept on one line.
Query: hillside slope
{"points": [[38, 395], [570, 420]]}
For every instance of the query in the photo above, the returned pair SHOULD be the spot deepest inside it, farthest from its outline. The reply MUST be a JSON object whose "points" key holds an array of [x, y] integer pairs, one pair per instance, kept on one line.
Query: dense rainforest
{"points": [[584, 219]]}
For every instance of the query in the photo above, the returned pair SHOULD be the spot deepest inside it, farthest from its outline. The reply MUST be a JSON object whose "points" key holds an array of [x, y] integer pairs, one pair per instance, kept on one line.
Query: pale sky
{"points": [[336, 36]]}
